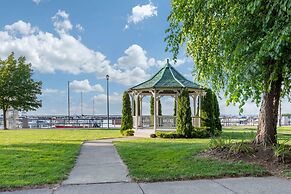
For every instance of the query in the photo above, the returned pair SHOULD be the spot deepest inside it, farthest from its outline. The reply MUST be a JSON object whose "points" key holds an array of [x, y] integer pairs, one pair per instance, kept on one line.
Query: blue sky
{"points": [[82, 41]]}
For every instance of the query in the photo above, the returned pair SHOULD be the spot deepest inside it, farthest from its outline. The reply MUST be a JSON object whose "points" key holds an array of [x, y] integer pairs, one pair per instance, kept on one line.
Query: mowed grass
{"points": [[36, 157], [176, 159]]}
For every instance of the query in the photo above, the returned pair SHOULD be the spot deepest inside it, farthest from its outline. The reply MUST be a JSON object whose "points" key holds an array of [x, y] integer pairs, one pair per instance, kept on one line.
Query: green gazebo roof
{"points": [[167, 77]]}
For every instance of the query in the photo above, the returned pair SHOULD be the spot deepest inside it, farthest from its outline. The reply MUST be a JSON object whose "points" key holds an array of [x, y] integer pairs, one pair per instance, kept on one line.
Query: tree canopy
{"points": [[240, 46], [17, 88]]}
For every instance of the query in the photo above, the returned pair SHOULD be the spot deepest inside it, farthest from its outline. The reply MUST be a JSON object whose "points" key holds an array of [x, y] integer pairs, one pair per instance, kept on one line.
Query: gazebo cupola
{"points": [[166, 82]]}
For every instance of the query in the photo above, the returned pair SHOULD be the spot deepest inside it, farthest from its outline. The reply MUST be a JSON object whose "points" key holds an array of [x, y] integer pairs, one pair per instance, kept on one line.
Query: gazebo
{"points": [[166, 82]]}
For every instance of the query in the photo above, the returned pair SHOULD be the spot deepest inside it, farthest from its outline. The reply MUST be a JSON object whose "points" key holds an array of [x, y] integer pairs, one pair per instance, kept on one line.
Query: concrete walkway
{"points": [[98, 162], [99, 170]]}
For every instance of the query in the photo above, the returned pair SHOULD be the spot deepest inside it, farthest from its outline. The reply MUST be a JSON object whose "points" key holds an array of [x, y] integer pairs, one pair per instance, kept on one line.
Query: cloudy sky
{"points": [[82, 41]]}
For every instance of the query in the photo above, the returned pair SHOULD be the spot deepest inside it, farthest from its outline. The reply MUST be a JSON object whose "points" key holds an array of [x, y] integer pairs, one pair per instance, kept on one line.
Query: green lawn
{"points": [[175, 159], [35, 157]]}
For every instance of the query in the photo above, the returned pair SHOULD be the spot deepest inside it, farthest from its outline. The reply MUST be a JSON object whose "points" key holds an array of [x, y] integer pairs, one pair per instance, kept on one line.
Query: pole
{"points": [[107, 79], [69, 103], [93, 106], [81, 103]]}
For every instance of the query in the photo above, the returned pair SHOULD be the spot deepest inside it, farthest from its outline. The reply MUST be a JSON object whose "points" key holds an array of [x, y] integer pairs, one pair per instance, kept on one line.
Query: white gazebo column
{"points": [[194, 96], [175, 118], [136, 111], [194, 110], [155, 110], [199, 113], [176, 99], [140, 111]]}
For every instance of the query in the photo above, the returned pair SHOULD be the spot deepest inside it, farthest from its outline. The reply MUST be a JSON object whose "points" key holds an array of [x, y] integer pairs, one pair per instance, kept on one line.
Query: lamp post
{"points": [[107, 79]]}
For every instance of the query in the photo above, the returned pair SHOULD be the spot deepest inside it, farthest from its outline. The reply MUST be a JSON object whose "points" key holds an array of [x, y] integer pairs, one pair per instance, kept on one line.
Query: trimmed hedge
{"points": [[128, 132], [168, 134], [196, 132]]}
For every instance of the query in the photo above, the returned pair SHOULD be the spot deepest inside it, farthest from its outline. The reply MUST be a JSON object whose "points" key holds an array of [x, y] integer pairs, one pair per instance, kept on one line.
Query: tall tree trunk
{"points": [[268, 117], [4, 119]]}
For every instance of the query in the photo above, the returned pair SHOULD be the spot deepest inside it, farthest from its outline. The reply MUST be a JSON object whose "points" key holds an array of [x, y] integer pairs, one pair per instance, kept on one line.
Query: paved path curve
{"points": [[99, 170]]}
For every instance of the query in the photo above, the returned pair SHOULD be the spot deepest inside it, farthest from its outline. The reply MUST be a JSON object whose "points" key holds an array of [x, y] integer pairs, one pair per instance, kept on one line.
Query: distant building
{"points": [[238, 120]]}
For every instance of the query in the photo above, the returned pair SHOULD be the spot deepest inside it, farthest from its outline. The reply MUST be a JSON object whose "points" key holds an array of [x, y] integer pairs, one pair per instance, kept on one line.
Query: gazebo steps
{"points": [[143, 132], [148, 132]]}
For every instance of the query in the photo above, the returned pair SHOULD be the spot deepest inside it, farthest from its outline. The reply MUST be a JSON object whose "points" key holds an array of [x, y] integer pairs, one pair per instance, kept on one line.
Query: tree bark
{"points": [[4, 119], [268, 116]]}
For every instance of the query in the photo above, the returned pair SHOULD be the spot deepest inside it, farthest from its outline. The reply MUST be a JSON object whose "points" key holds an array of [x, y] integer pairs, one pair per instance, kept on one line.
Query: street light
{"points": [[107, 79]]}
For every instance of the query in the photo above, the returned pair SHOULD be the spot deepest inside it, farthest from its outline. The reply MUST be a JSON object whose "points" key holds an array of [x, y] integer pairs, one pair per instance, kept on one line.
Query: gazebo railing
{"points": [[163, 122], [166, 122]]}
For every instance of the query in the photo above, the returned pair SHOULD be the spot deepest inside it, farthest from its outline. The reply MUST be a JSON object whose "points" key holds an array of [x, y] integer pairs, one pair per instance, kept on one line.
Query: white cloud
{"points": [[115, 98], [178, 62], [36, 1], [61, 22], [84, 86], [135, 56], [49, 53], [141, 12], [20, 28], [80, 27]]}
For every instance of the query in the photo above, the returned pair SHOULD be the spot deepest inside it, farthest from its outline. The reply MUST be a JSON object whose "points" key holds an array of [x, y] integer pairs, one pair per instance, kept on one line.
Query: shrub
{"points": [[200, 132], [216, 133], [216, 114], [219, 143], [281, 151], [152, 109], [128, 132], [207, 119], [153, 135], [197, 132], [167, 134], [184, 120], [210, 112], [126, 120], [241, 147]]}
